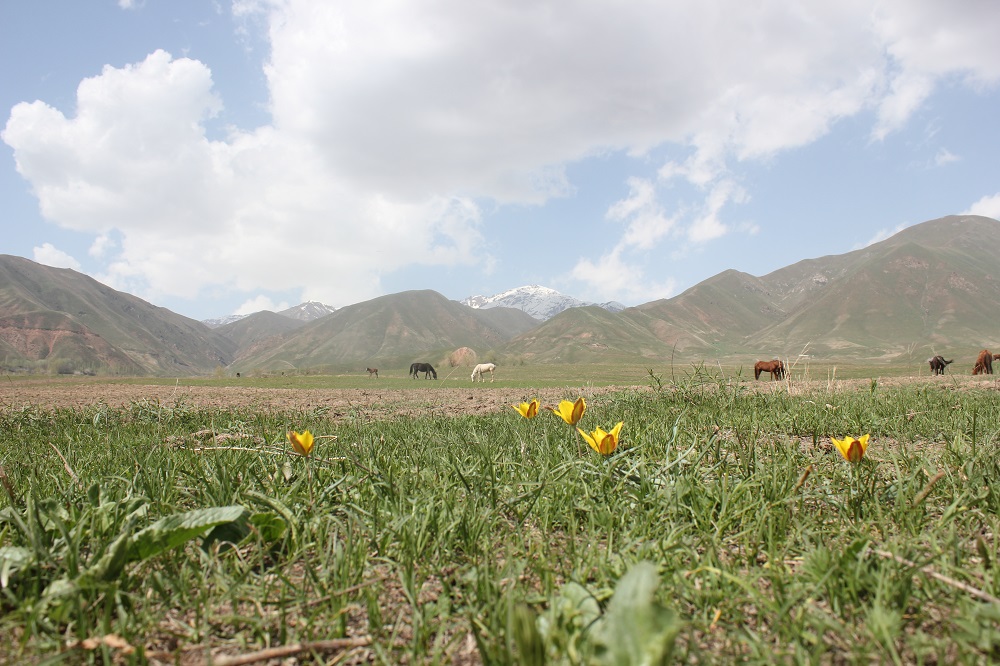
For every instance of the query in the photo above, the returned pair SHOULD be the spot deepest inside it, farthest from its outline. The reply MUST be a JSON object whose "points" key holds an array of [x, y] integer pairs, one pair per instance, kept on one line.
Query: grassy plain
{"points": [[725, 527]]}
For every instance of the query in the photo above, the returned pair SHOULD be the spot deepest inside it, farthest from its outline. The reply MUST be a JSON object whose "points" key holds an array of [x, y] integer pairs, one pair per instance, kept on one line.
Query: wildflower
{"points": [[570, 412], [301, 442], [528, 410], [603, 442], [852, 449]]}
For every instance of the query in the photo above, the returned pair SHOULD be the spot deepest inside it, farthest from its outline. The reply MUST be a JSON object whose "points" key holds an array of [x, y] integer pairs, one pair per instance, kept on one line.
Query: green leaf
{"points": [[111, 564], [636, 629], [270, 526], [172, 531], [530, 646], [12, 560], [226, 534]]}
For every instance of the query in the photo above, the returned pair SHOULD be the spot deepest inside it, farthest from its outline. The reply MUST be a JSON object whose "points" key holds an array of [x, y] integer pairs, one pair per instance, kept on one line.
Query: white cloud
{"points": [[52, 256], [945, 156], [881, 235], [614, 278], [708, 225], [101, 246], [988, 206], [261, 210], [393, 121], [645, 223], [907, 93], [259, 303]]}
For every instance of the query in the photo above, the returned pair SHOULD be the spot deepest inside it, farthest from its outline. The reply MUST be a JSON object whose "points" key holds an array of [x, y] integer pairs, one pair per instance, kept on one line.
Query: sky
{"points": [[221, 157]]}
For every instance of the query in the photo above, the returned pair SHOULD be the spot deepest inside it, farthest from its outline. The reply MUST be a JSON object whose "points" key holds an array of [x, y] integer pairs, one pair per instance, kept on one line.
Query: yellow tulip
{"points": [[852, 449], [528, 410], [302, 443], [570, 412], [603, 442]]}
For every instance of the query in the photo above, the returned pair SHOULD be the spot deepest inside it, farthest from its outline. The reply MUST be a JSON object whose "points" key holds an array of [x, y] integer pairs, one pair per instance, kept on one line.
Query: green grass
{"points": [[496, 539]]}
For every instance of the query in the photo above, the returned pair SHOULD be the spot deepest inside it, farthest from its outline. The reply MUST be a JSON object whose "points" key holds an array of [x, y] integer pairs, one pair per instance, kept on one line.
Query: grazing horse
{"points": [[938, 364], [775, 367], [984, 363], [372, 371], [482, 368], [426, 368]]}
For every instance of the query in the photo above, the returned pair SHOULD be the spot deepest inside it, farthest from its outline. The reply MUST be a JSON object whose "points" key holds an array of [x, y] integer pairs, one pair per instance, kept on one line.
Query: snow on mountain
{"points": [[222, 321], [302, 312], [539, 302], [308, 311]]}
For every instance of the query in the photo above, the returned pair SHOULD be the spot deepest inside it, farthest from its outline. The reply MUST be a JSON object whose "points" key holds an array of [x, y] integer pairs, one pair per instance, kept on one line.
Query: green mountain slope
{"points": [[259, 326], [718, 314], [392, 330], [65, 321], [932, 287], [584, 335]]}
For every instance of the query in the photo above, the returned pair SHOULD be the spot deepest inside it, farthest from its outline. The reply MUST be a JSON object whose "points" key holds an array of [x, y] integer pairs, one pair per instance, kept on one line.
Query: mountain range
{"points": [[303, 312], [932, 288], [539, 302]]}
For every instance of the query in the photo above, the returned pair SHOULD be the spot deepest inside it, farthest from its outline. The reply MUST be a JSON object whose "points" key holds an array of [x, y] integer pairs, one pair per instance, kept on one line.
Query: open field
{"points": [[168, 521]]}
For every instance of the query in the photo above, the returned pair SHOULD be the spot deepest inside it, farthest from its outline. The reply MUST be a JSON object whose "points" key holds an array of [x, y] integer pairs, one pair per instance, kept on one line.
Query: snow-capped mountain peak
{"points": [[302, 312], [538, 301], [308, 311], [222, 321]]}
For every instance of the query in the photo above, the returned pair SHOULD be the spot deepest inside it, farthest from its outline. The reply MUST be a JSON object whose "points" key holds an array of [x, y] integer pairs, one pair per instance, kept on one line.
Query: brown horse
{"points": [[775, 367], [938, 364], [426, 368], [372, 371], [984, 363]]}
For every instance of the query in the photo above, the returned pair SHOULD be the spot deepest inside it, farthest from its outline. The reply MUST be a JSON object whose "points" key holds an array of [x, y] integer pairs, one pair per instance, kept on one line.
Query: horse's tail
{"points": [[756, 373]]}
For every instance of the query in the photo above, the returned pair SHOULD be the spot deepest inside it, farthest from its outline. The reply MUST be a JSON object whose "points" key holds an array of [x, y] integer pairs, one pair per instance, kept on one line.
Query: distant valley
{"points": [[932, 288]]}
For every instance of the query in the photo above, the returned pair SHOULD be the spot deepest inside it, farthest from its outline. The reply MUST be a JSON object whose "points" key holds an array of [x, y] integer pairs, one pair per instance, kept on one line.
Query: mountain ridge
{"points": [[932, 288], [538, 301]]}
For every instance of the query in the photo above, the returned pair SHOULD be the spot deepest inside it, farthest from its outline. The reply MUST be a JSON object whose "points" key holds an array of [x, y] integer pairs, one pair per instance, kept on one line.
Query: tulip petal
{"points": [[853, 450], [301, 443]]}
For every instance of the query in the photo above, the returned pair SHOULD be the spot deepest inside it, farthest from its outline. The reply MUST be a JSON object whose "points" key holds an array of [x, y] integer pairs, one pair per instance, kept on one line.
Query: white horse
{"points": [[483, 368]]}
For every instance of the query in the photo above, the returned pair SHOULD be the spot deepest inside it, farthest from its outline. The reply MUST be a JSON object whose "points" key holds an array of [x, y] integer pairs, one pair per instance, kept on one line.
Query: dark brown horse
{"points": [[426, 368], [775, 367], [938, 364], [984, 363], [372, 371]]}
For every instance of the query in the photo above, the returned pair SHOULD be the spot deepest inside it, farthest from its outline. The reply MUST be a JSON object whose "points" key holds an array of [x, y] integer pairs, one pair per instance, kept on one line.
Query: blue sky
{"points": [[227, 157]]}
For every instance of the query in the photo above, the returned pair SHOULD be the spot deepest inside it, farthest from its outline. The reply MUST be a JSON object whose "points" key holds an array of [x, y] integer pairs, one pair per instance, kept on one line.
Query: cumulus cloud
{"points": [[642, 215], [50, 255], [392, 123], [613, 277], [259, 303], [988, 206], [260, 210]]}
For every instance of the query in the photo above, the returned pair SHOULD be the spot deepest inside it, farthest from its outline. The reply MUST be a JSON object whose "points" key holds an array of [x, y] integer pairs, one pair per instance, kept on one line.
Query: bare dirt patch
{"points": [[374, 402], [388, 402]]}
